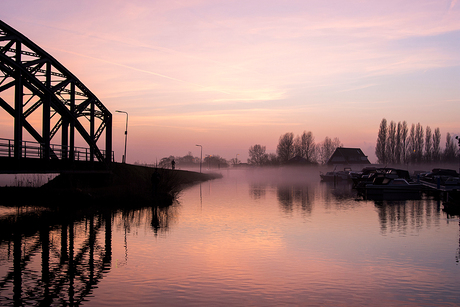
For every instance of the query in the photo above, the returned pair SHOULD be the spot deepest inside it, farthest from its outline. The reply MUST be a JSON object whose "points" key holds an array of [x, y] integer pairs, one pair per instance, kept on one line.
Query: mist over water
{"points": [[258, 237]]}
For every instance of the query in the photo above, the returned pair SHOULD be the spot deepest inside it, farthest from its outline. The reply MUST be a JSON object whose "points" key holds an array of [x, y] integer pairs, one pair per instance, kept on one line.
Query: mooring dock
{"points": [[449, 193]]}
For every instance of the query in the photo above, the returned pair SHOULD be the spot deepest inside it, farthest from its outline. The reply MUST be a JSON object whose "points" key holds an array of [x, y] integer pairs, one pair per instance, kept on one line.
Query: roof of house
{"points": [[299, 160], [348, 156]]}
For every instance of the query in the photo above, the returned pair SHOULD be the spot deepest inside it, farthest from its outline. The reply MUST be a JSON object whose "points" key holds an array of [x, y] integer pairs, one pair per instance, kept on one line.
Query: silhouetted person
{"points": [[173, 164]]}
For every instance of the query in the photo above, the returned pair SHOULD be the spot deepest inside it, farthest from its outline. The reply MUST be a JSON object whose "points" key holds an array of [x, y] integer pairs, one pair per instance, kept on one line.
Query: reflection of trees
{"points": [[338, 194], [458, 249], [162, 217], [158, 217], [291, 196], [257, 190], [408, 215]]}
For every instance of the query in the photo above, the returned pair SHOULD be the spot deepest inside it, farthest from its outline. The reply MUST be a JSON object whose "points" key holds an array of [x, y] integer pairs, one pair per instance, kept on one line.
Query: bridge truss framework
{"points": [[35, 87]]}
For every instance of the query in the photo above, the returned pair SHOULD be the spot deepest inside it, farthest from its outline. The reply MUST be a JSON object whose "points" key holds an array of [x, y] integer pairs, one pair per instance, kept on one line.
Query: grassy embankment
{"points": [[124, 183]]}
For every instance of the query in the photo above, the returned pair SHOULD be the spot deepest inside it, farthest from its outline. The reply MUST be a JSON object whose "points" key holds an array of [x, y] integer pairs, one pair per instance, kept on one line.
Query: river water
{"points": [[253, 238]]}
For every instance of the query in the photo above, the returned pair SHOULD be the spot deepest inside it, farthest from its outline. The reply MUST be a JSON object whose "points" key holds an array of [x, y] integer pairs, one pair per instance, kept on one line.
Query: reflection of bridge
{"points": [[54, 264], [46, 101], [59, 257]]}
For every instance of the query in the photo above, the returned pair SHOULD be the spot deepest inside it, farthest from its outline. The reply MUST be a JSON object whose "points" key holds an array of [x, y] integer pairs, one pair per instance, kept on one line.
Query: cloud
{"points": [[452, 4], [364, 86]]}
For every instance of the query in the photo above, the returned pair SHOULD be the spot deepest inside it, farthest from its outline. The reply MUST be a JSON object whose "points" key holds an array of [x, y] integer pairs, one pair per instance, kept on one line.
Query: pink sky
{"points": [[231, 74]]}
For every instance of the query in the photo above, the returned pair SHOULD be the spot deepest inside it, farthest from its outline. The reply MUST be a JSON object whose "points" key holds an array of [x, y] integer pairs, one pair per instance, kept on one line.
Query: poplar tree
{"points": [[391, 143], [398, 143], [450, 152], [419, 141], [436, 154], [404, 131], [428, 145], [412, 144], [380, 147]]}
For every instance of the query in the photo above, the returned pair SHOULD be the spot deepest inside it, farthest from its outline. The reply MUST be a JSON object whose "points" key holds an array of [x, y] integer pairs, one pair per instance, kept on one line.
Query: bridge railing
{"points": [[35, 150]]}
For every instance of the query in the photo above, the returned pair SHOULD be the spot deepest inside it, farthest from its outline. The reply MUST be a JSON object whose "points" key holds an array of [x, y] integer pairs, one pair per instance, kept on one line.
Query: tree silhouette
{"points": [[257, 155], [380, 148], [436, 145], [428, 145], [285, 148], [305, 146], [450, 152], [327, 148]]}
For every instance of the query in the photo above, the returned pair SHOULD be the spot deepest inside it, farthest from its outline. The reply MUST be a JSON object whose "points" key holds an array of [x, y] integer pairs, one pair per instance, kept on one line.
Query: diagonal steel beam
{"points": [[34, 107], [6, 86], [26, 125], [12, 66]]}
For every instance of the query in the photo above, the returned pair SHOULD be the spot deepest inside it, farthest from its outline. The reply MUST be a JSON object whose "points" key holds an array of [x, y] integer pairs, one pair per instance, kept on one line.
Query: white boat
{"points": [[392, 188]]}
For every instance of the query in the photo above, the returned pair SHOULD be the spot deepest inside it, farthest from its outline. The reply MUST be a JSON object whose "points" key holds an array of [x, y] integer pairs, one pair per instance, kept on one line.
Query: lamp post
{"points": [[201, 156], [126, 133]]}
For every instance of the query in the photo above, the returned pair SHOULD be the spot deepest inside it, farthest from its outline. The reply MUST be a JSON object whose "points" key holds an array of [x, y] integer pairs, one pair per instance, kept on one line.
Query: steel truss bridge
{"points": [[50, 104]]}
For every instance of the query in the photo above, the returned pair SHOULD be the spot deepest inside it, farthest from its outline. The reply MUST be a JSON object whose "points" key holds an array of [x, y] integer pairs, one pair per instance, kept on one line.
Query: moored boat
{"points": [[334, 176], [391, 188], [369, 174], [441, 177]]}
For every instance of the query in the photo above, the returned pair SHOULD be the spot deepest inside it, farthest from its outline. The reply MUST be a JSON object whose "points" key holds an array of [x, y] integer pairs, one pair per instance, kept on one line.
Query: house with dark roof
{"points": [[298, 160], [348, 156]]}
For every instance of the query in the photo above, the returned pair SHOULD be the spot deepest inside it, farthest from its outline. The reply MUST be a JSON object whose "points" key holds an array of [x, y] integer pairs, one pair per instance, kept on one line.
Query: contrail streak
{"points": [[139, 70]]}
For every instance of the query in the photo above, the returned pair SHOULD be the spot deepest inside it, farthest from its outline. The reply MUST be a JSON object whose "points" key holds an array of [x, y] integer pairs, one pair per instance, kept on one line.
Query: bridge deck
{"points": [[39, 166]]}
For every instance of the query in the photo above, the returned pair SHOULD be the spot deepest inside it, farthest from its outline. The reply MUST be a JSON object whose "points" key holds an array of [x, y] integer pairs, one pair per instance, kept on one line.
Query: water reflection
{"points": [[238, 242], [53, 257], [257, 190], [405, 215], [304, 195], [338, 196], [58, 257], [301, 196], [158, 217], [457, 257]]}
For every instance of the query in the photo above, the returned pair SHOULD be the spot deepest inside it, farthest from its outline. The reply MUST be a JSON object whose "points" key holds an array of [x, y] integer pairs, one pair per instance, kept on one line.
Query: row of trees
{"points": [[210, 161], [289, 146], [397, 144], [303, 146]]}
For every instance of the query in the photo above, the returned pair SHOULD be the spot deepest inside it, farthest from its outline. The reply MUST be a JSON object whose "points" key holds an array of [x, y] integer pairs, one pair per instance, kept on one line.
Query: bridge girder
{"points": [[32, 80]]}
